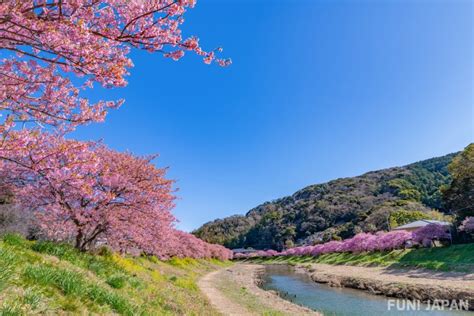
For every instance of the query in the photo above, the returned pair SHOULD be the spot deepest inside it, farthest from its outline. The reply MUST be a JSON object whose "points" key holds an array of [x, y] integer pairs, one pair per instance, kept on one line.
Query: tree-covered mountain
{"points": [[338, 209]]}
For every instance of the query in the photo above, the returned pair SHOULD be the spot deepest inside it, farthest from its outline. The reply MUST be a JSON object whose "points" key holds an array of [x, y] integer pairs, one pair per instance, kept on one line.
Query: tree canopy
{"points": [[459, 195]]}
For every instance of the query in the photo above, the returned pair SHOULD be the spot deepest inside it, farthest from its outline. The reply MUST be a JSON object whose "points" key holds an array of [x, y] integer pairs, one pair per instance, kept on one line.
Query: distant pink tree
{"points": [[427, 234], [240, 256], [271, 253], [359, 243], [183, 244], [363, 242], [52, 42], [467, 225], [392, 240]]}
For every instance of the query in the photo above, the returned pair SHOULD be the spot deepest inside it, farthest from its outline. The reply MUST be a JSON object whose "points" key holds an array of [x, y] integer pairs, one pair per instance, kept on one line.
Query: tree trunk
{"points": [[80, 240]]}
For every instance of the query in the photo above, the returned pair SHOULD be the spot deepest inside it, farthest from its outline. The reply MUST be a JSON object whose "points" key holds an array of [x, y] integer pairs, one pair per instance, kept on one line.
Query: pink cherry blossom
{"points": [[363, 242], [58, 48], [83, 192], [468, 225], [426, 235]]}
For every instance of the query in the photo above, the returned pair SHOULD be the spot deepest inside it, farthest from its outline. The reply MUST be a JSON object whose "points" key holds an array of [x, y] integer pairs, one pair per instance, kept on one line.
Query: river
{"points": [[300, 289]]}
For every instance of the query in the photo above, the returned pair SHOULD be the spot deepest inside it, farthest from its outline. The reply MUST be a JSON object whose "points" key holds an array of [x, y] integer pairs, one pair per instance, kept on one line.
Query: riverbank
{"points": [[412, 284], [234, 291], [458, 258], [422, 274], [301, 289]]}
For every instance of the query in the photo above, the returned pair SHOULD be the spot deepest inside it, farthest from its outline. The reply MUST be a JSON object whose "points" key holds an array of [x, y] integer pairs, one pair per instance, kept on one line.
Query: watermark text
{"points": [[435, 305]]}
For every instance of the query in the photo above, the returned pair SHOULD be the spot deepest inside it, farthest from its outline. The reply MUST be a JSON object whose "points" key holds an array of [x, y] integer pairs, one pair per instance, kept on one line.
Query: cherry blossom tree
{"points": [[85, 191], [187, 245], [467, 225], [55, 48], [427, 234]]}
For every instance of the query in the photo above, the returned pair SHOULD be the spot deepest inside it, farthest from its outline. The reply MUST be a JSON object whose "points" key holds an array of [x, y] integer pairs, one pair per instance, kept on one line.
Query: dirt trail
{"points": [[217, 299], [245, 276]]}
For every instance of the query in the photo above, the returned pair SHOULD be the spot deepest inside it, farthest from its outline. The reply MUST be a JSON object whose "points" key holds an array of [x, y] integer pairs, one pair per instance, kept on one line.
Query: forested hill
{"points": [[338, 209]]}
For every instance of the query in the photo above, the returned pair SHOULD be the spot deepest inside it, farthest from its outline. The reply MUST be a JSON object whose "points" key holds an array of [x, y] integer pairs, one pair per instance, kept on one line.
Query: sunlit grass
{"points": [[51, 278]]}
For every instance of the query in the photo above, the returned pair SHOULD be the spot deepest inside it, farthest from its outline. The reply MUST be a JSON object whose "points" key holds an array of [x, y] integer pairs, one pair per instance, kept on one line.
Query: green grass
{"points": [[69, 282], [10, 309], [453, 258], [38, 278], [117, 281]]}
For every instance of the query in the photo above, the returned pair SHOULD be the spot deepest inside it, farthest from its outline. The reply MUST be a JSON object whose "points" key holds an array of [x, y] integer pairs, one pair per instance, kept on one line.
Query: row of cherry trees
{"points": [[84, 192], [365, 242]]}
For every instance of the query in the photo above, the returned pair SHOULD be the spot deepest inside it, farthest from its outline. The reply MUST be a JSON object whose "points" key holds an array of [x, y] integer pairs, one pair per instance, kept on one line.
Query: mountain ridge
{"points": [[338, 208]]}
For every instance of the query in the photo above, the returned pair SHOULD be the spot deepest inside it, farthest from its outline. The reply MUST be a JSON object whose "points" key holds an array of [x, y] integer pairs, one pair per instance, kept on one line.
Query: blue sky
{"points": [[318, 90]]}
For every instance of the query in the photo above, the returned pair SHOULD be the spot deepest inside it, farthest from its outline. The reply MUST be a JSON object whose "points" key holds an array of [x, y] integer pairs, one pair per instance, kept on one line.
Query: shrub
{"points": [[104, 251], [402, 217], [117, 281]]}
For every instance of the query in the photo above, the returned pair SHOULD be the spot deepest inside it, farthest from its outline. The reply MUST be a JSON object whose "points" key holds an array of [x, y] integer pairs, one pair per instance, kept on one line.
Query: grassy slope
{"points": [[454, 258], [47, 278]]}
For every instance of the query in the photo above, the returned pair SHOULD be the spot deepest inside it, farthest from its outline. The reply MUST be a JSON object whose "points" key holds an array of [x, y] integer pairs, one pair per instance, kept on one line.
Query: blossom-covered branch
{"points": [[53, 42]]}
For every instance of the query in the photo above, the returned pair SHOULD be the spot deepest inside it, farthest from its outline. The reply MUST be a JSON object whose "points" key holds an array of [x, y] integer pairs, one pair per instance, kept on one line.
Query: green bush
{"points": [[117, 281], [402, 217], [104, 251]]}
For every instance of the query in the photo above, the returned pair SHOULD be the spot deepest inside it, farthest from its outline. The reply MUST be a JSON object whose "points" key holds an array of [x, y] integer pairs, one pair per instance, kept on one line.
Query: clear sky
{"points": [[318, 90]]}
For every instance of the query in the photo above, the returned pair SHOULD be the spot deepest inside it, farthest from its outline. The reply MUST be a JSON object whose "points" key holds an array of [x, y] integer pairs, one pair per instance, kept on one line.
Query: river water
{"points": [[300, 289]]}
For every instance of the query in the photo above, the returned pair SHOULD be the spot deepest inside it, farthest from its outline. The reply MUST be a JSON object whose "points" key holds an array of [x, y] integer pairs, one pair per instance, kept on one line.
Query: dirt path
{"points": [[217, 299], [233, 291]]}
